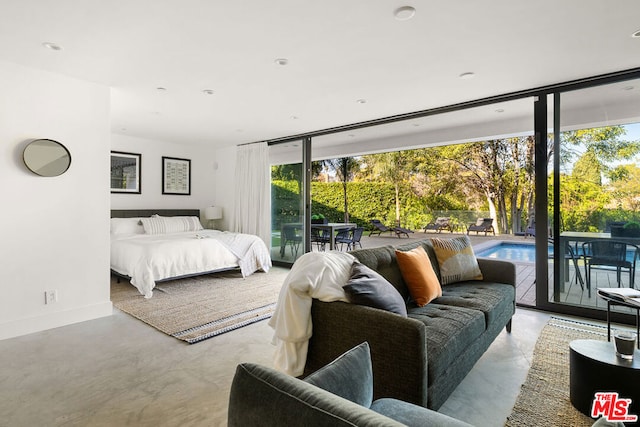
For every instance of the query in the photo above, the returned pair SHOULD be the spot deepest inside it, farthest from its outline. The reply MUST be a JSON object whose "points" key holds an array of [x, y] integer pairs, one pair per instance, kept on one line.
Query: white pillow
{"points": [[122, 226], [171, 224]]}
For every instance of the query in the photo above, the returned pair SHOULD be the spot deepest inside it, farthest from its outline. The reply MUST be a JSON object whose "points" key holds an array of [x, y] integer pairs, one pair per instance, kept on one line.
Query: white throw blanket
{"points": [[251, 251], [319, 275]]}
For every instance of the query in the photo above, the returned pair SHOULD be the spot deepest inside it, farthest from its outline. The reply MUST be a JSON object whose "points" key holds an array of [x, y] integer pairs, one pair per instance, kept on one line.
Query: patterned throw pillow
{"points": [[419, 276], [456, 260], [174, 224]]}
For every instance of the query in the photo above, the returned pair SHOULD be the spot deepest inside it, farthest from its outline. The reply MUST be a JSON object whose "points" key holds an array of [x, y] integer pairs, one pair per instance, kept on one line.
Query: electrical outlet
{"points": [[50, 296]]}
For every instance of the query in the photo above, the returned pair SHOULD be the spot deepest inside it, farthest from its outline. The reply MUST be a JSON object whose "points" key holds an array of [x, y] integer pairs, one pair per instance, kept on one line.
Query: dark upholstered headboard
{"points": [[133, 213]]}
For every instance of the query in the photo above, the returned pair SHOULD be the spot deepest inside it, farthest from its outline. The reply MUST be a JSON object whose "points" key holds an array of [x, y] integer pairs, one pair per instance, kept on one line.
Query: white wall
{"points": [[205, 177], [54, 230], [225, 183]]}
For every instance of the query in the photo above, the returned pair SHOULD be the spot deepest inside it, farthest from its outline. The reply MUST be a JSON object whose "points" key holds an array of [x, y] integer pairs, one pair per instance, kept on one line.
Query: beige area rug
{"points": [[197, 308], [544, 397]]}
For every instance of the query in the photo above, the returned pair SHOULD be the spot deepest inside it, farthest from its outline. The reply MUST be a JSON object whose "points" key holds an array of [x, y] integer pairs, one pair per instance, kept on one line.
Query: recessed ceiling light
{"points": [[294, 117], [52, 46], [404, 13], [636, 34], [499, 110], [281, 61], [416, 125], [208, 91], [467, 75], [361, 101], [161, 89], [627, 88]]}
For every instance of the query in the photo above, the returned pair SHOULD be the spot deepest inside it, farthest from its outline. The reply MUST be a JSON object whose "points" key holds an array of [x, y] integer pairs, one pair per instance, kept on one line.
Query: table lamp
{"points": [[212, 213]]}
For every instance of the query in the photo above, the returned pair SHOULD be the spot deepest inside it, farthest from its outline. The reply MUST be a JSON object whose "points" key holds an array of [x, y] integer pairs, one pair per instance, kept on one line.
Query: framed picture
{"points": [[126, 172], [176, 176]]}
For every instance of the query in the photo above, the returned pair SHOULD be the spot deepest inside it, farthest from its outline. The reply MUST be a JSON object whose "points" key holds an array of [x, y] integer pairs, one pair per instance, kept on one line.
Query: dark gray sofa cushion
{"points": [[367, 287], [350, 376], [449, 332], [492, 299]]}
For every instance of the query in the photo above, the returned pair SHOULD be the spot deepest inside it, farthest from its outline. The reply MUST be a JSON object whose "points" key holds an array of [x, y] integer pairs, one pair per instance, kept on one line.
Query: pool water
{"points": [[511, 252], [524, 252]]}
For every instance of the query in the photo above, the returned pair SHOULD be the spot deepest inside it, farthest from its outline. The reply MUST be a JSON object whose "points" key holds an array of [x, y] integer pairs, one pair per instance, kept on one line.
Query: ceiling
{"points": [[347, 61]]}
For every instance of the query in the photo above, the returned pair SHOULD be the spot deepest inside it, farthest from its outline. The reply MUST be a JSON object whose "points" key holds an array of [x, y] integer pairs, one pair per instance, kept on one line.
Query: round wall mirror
{"points": [[46, 157]]}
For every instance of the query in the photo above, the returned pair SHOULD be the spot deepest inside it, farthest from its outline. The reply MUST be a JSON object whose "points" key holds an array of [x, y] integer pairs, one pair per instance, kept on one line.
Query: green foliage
{"points": [[413, 187], [367, 201], [632, 225]]}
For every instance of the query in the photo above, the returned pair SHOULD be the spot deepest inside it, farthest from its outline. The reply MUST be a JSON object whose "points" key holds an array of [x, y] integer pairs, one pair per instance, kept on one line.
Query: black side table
{"points": [[594, 367]]}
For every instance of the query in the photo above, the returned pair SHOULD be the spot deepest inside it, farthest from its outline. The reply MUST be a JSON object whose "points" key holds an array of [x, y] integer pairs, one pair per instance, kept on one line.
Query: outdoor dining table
{"points": [[331, 228]]}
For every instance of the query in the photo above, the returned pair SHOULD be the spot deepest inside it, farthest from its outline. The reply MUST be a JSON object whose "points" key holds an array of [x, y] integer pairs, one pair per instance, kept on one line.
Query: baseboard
{"points": [[31, 325]]}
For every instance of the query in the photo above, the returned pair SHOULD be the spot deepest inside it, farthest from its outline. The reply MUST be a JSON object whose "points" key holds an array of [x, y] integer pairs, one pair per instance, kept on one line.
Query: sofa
{"points": [[420, 358], [339, 394]]}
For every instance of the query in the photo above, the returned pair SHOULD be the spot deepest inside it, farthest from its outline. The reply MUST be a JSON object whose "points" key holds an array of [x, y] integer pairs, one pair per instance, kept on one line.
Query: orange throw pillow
{"points": [[418, 273]]}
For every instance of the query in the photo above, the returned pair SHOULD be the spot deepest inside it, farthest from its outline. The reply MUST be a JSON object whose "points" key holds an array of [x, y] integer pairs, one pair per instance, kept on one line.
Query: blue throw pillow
{"points": [[350, 376], [367, 287]]}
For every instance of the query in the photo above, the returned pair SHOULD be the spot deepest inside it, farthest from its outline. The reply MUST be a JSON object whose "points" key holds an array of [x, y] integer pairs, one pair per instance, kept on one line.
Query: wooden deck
{"points": [[571, 292]]}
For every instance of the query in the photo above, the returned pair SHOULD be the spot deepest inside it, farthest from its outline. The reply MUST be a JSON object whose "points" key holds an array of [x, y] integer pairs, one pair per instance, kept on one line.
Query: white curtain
{"points": [[252, 210]]}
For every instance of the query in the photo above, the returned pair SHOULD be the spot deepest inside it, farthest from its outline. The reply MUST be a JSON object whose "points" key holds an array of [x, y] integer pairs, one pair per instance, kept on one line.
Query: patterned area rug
{"points": [[544, 397], [197, 308]]}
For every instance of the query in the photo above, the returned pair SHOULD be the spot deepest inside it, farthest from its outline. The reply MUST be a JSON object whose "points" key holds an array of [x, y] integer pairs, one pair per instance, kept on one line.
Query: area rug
{"points": [[197, 308], [544, 397]]}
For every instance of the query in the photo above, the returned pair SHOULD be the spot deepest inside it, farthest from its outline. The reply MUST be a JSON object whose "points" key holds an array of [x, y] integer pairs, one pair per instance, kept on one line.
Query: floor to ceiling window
{"points": [[594, 192], [585, 180], [287, 202]]}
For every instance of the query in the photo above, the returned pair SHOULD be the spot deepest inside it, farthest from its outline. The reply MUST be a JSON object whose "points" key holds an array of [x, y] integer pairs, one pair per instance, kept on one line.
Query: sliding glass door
{"points": [[594, 192], [288, 241]]}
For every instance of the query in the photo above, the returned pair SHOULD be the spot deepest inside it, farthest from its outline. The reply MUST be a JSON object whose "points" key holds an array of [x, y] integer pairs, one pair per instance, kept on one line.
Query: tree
{"points": [[625, 187], [394, 167], [344, 168]]}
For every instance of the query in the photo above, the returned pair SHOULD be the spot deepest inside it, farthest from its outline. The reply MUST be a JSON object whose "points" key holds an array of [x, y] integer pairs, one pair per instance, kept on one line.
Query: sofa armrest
{"points": [[497, 271], [398, 346], [261, 396]]}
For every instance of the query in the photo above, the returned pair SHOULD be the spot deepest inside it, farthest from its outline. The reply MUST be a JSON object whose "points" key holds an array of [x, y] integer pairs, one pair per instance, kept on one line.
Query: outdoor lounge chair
{"points": [[482, 224], [380, 228], [441, 223]]}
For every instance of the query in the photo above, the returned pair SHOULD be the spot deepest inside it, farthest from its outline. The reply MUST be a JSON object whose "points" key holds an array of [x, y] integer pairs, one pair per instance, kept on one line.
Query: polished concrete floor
{"points": [[116, 371]]}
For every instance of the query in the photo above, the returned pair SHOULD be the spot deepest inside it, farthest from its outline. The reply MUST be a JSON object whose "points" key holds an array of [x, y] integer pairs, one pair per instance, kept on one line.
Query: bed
{"points": [[150, 246]]}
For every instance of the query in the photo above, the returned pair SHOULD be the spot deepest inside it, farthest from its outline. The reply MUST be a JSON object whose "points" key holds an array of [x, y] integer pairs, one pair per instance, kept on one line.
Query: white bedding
{"points": [[147, 258]]}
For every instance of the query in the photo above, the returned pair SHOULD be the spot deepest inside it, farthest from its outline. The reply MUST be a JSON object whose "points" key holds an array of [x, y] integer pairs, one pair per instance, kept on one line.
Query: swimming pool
{"points": [[523, 252], [520, 252]]}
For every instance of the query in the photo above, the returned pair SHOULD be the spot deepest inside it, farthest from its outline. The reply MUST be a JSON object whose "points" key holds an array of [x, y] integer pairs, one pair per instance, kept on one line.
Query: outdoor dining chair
{"points": [[606, 254], [343, 237], [320, 238], [571, 256], [292, 239]]}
